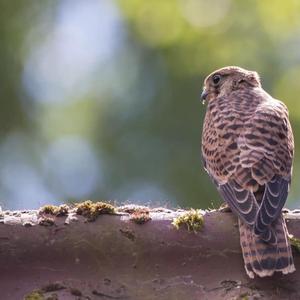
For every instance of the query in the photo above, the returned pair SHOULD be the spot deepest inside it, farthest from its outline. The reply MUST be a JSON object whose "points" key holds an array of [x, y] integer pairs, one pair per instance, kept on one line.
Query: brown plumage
{"points": [[247, 149]]}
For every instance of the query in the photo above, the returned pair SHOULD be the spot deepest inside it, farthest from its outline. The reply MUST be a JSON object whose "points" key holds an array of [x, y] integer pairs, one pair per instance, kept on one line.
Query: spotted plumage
{"points": [[247, 149]]}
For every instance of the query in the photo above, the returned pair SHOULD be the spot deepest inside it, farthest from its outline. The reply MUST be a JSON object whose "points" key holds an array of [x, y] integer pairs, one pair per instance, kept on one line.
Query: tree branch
{"points": [[130, 253]]}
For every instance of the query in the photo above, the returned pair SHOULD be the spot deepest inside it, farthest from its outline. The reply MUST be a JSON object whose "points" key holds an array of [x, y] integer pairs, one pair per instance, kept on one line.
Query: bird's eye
{"points": [[216, 79]]}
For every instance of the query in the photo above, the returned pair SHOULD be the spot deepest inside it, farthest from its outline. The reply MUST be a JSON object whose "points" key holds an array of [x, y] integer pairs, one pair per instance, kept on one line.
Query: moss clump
{"points": [[140, 216], [92, 210], [295, 242], [192, 220], [46, 222], [35, 295], [58, 211]]}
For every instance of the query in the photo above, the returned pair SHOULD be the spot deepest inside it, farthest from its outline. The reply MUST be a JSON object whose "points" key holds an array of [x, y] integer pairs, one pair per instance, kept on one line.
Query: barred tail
{"points": [[262, 258]]}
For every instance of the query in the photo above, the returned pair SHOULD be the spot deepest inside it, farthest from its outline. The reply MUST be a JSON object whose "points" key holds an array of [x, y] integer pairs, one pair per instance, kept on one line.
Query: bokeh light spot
{"points": [[202, 13], [72, 167], [84, 36]]}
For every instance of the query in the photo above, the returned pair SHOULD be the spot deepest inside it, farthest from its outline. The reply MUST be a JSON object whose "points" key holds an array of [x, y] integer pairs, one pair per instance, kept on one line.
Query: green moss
{"points": [[35, 295], [140, 216], [192, 220], [92, 210], [59, 211], [295, 242]]}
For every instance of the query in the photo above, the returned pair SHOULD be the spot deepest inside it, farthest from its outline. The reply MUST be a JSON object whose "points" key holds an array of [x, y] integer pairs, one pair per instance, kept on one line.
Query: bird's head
{"points": [[223, 81]]}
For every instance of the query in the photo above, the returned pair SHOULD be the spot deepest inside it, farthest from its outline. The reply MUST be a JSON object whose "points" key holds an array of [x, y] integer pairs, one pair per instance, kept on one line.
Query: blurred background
{"points": [[100, 99]]}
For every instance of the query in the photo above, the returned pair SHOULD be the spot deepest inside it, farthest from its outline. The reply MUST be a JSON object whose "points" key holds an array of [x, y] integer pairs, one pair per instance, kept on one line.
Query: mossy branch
{"points": [[96, 250]]}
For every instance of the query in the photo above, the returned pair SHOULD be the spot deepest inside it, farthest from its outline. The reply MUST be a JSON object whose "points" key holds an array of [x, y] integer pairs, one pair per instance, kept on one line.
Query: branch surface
{"points": [[131, 252]]}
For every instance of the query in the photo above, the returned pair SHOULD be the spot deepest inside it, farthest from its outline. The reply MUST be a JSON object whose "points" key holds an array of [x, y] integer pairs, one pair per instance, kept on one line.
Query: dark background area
{"points": [[101, 99]]}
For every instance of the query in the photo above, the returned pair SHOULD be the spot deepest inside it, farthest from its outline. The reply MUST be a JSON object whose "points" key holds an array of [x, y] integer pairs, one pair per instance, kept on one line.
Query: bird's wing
{"points": [[242, 202], [267, 144], [276, 192], [267, 149]]}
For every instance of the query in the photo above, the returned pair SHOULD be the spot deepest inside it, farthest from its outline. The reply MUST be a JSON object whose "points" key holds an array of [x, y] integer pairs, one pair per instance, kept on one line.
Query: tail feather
{"points": [[263, 258]]}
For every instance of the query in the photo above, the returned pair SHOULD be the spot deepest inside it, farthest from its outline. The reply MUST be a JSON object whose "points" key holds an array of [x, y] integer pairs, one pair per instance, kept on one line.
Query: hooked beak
{"points": [[203, 96]]}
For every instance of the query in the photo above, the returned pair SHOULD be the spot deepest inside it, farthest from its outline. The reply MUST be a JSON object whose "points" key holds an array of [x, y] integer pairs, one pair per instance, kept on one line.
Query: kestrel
{"points": [[247, 149]]}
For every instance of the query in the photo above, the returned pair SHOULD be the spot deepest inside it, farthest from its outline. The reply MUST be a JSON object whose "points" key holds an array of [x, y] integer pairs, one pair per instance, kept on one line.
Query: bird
{"points": [[247, 150]]}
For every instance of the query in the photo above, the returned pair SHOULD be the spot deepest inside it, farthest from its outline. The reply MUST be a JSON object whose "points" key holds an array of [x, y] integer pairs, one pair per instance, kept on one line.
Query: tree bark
{"points": [[114, 256]]}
